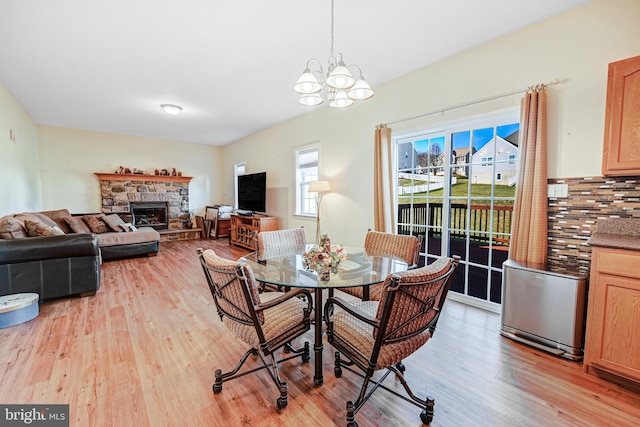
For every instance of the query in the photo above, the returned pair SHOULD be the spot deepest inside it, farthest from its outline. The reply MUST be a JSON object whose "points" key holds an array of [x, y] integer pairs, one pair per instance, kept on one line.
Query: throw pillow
{"points": [[36, 229], [96, 223], [114, 222], [59, 217], [77, 224]]}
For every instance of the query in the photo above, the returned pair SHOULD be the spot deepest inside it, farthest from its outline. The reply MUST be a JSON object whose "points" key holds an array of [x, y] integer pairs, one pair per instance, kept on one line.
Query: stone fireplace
{"points": [[163, 200]]}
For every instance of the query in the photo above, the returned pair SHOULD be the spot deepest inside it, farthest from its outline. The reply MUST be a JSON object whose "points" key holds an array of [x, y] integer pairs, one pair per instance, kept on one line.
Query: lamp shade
{"points": [[307, 84], [341, 100], [319, 187], [360, 91], [310, 99], [340, 78], [171, 109]]}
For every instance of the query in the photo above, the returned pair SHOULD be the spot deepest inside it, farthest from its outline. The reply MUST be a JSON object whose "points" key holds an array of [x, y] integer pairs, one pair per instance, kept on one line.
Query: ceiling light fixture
{"points": [[340, 87], [171, 109]]}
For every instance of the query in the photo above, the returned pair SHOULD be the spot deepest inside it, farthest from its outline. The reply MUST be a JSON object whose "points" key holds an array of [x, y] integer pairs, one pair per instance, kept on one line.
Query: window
{"points": [[306, 171], [498, 176], [238, 169], [512, 159]]}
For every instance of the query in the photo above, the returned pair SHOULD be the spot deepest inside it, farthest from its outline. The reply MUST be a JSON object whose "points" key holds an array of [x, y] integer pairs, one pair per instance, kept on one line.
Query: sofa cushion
{"points": [[11, 228], [142, 235], [37, 229], [35, 216], [114, 222], [77, 225], [96, 223], [59, 217]]}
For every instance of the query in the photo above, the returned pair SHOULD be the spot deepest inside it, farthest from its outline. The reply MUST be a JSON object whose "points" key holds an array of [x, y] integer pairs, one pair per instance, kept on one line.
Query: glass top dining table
{"points": [[287, 268]]}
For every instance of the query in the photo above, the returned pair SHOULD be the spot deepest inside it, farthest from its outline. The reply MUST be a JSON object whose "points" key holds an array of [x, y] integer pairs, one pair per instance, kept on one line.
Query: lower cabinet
{"points": [[613, 317]]}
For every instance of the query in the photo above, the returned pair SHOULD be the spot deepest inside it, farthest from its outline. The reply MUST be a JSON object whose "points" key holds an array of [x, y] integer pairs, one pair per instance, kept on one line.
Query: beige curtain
{"points": [[529, 223], [384, 213]]}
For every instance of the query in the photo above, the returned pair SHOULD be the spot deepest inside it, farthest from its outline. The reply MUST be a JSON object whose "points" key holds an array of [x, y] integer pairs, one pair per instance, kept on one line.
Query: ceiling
{"points": [[108, 65]]}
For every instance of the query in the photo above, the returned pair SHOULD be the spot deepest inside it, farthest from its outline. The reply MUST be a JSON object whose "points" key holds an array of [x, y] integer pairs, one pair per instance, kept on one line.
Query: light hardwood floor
{"points": [[143, 350]]}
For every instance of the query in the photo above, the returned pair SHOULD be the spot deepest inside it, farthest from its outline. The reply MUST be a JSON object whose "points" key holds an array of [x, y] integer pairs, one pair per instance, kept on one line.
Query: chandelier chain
{"points": [[332, 23]]}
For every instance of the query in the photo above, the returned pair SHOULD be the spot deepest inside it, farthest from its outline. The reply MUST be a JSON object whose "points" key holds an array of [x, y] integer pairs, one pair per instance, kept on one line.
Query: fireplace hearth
{"points": [[150, 214]]}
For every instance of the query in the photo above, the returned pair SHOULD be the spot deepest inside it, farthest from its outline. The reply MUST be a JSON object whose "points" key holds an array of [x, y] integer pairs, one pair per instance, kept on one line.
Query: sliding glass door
{"points": [[456, 187]]}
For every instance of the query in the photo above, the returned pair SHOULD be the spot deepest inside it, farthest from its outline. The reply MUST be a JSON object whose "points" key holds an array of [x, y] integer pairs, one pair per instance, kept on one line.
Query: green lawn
{"points": [[480, 193]]}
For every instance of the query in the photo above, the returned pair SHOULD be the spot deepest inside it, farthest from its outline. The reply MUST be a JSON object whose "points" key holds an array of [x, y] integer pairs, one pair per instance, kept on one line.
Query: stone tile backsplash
{"points": [[573, 219]]}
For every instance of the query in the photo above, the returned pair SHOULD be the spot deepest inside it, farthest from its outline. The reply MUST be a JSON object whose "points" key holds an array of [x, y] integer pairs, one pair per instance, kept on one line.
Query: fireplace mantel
{"points": [[141, 177]]}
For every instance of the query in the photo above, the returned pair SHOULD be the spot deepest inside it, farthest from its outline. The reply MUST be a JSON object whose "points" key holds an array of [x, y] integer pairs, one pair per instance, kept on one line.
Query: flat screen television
{"points": [[252, 193]]}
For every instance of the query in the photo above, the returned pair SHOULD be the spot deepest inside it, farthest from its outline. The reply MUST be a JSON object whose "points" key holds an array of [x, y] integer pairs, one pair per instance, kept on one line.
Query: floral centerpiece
{"points": [[321, 258]]}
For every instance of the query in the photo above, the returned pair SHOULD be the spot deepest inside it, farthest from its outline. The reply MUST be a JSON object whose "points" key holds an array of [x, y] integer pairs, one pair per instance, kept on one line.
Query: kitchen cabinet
{"points": [[621, 152], [613, 316]]}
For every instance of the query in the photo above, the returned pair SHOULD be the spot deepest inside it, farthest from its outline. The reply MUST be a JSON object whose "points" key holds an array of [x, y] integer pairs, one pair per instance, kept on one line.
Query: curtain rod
{"points": [[477, 101]]}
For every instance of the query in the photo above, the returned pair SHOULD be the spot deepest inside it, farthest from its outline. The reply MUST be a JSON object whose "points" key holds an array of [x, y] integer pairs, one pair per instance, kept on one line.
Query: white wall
{"points": [[574, 47], [19, 159], [69, 158]]}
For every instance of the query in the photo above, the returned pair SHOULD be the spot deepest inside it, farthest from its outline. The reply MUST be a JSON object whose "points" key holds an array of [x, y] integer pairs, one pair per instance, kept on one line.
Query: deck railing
{"points": [[479, 227]]}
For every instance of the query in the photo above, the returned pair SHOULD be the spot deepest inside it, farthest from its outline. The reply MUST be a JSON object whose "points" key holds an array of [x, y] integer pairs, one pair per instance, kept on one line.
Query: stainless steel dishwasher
{"points": [[544, 309]]}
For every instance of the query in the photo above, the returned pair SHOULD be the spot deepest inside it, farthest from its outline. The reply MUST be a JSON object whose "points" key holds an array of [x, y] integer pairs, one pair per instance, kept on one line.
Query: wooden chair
{"points": [[278, 243], [402, 246], [375, 335], [265, 322]]}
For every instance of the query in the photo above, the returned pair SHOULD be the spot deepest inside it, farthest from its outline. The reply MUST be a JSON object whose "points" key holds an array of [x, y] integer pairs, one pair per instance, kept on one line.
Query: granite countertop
{"points": [[617, 233]]}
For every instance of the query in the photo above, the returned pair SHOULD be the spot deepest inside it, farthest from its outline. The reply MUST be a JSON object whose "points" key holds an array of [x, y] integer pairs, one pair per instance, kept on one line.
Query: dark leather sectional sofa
{"points": [[52, 267], [55, 266]]}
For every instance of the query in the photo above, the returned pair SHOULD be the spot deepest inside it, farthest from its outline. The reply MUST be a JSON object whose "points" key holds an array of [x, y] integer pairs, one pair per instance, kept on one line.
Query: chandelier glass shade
{"points": [[340, 86], [171, 109]]}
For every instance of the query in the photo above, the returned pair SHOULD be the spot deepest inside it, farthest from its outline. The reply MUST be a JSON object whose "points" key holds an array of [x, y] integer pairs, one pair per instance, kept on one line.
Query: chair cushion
{"points": [[375, 291], [214, 261], [398, 245], [358, 336], [277, 320], [405, 306]]}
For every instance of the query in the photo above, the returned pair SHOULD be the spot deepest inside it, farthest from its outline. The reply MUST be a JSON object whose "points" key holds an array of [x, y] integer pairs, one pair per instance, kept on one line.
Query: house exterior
{"points": [[461, 160], [496, 160], [407, 157]]}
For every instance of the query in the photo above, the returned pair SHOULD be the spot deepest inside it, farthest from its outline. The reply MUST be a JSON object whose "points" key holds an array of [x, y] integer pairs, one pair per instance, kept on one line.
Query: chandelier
{"points": [[340, 86]]}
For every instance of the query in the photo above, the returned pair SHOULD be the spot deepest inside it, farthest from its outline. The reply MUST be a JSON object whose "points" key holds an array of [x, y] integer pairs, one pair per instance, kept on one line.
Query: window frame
{"points": [[489, 161], [238, 169], [305, 173]]}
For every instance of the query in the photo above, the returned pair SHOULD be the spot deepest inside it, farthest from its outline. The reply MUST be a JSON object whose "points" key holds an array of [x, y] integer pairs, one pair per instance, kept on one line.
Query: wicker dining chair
{"points": [[266, 322], [375, 335], [402, 246], [279, 243]]}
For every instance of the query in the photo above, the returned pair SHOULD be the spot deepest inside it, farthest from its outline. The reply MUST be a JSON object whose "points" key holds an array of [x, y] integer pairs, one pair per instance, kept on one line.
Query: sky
{"points": [[462, 139]]}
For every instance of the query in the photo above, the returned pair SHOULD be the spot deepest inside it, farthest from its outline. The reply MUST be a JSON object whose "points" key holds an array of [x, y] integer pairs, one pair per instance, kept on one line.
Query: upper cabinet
{"points": [[621, 155]]}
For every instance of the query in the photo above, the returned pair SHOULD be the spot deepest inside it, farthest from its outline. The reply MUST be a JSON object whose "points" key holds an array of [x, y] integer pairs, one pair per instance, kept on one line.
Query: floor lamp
{"points": [[318, 187]]}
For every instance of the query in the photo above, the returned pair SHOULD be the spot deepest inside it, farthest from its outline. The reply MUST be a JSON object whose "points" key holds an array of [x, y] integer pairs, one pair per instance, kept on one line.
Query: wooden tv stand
{"points": [[244, 229]]}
